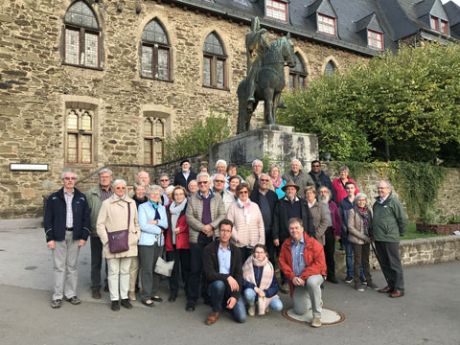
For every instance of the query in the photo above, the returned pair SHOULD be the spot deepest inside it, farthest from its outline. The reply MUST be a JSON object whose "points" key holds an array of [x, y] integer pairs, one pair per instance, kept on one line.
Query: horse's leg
{"points": [[268, 111], [276, 102]]}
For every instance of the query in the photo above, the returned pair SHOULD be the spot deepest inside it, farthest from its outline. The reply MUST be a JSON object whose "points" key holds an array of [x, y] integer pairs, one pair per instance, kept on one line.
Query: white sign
{"points": [[28, 167]]}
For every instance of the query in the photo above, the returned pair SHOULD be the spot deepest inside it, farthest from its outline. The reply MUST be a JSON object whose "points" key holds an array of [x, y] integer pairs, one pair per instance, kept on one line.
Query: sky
{"points": [[456, 1]]}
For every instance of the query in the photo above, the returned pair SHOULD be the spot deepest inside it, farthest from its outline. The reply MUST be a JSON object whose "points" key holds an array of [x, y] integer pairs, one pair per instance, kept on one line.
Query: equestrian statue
{"points": [[265, 76]]}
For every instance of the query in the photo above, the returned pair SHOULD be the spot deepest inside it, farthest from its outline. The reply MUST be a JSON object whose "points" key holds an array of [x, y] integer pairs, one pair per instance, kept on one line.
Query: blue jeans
{"points": [[250, 297], [219, 294], [349, 260]]}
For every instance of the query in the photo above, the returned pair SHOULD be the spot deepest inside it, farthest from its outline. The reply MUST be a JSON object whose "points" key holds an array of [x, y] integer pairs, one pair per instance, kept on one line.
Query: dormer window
{"points": [[439, 24], [375, 39], [326, 24], [276, 9]]}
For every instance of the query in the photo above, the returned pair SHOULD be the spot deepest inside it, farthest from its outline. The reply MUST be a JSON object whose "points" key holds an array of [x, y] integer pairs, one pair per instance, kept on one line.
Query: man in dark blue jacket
{"points": [[185, 175], [320, 178], [67, 227]]}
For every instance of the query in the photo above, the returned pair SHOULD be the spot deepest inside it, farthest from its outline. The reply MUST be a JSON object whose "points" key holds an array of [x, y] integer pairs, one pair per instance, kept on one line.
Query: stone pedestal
{"points": [[278, 143]]}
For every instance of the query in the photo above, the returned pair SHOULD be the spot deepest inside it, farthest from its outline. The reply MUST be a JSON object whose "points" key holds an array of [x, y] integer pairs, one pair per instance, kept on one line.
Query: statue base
{"points": [[279, 144]]}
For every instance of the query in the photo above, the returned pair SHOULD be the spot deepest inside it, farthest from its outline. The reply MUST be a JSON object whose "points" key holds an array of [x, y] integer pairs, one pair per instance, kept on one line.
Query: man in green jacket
{"points": [[95, 197], [388, 224]]}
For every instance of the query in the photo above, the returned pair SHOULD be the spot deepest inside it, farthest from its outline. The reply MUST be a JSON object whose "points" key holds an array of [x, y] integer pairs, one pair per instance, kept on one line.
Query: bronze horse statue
{"points": [[270, 83]]}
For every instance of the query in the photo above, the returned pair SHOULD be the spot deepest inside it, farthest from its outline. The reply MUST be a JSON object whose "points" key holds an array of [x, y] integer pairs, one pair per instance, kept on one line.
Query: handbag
{"points": [[118, 240], [164, 267]]}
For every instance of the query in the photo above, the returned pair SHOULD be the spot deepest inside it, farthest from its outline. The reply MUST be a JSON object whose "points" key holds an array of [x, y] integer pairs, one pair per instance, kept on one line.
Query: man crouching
{"points": [[223, 269], [302, 262]]}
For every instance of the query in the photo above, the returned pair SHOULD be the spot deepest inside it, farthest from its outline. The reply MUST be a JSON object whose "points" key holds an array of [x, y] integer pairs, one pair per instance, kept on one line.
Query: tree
{"points": [[398, 106]]}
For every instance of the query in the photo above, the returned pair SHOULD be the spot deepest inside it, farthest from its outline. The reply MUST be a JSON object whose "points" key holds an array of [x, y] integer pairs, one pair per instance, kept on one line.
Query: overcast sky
{"points": [[456, 1]]}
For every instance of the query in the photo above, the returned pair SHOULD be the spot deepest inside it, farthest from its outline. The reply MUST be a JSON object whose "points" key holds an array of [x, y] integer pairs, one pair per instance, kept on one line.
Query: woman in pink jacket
{"points": [[339, 185], [248, 224]]}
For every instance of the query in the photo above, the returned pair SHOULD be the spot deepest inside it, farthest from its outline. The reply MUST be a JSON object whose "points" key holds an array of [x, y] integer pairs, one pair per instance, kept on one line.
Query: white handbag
{"points": [[164, 267]]}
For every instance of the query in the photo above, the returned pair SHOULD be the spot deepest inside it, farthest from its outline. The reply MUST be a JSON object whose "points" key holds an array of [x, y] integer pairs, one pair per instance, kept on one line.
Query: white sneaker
{"points": [[316, 322], [252, 310]]}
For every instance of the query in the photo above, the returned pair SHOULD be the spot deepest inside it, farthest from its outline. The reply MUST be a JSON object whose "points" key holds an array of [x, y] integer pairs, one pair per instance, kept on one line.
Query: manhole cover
{"points": [[328, 316]]}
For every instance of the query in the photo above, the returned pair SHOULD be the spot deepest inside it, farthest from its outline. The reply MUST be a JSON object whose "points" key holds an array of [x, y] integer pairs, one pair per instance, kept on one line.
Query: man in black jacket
{"points": [[320, 178], [290, 207], [185, 175], [67, 223], [223, 269], [266, 199]]}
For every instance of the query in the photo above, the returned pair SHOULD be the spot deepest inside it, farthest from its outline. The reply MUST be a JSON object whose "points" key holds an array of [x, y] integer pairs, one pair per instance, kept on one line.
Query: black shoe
{"points": [[96, 293], [190, 306], [348, 280], [115, 305], [157, 299], [172, 297], [106, 288], [126, 303], [332, 280]]}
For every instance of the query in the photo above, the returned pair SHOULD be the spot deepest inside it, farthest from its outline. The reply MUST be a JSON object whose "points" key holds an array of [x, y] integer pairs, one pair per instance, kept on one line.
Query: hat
{"points": [[184, 161], [290, 183]]}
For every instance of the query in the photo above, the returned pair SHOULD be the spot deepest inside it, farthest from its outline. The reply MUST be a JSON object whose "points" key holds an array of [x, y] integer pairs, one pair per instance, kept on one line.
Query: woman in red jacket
{"points": [[177, 241], [339, 184]]}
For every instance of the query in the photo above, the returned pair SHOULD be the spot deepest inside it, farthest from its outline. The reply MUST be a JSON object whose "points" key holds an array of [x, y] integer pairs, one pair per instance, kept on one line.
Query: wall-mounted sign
{"points": [[28, 167]]}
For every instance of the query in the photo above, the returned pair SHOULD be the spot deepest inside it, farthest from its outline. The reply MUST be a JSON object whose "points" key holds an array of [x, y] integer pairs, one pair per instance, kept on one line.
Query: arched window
{"points": [[155, 52], [330, 68], [154, 136], [82, 36], [298, 74], [214, 58]]}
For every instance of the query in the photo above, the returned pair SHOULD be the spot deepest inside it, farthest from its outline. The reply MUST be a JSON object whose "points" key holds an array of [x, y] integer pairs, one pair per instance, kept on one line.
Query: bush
{"points": [[197, 138]]}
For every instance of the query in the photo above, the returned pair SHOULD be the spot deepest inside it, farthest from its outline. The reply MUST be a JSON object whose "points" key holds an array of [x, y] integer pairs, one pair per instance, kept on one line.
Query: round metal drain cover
{"points": [[328, 316]]}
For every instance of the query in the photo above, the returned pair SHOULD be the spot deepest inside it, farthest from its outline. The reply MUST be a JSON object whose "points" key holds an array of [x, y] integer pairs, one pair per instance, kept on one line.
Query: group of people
{"points": [[227, 236]]}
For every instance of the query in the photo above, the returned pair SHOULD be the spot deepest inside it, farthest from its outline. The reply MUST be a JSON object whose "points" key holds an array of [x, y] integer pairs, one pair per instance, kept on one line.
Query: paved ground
{"points": [[428, 314]]}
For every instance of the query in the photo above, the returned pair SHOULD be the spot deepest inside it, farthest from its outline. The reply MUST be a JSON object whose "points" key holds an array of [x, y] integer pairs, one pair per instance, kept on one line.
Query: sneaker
{"points": [[56, 303], [316, 322], [115, 306], [348, 279], [360, 287], [190, 306], [252, 310], [157, 299], [371, 285], [73, 300], [125, 303]]}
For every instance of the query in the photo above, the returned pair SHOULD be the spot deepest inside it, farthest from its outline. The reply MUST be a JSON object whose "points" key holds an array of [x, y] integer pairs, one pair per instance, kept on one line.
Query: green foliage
{"points": [[406, 103], [197, 138]]}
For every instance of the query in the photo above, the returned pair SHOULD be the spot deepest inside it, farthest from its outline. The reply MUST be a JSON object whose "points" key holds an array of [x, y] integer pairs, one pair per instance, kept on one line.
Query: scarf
{"points": [[267, 272], [246, 207], [176, 210], [155, 207], [364, 213], [277, 182]]}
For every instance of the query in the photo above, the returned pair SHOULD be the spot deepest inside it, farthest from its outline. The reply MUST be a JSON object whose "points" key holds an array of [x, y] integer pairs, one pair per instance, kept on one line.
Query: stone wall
{"points": [[416, 252], [35, 87]]}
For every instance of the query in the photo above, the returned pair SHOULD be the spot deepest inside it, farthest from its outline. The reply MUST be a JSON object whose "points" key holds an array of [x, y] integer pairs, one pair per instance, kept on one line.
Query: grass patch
{"points": [[412, 234]]}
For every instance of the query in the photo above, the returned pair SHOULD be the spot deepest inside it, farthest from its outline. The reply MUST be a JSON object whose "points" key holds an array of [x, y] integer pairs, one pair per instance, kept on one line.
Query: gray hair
{"points": [[68, 171], [105, 171], [154, 188], [203, 174], [387, 183], [325, 187], [343, 168], [255, 161], [138, 185], [221, 161], [264, 174], [295, 160], [360, 196], [119, 181], [142, 171]]}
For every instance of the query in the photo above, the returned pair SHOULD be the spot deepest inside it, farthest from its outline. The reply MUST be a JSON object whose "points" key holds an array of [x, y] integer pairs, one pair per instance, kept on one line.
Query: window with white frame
{"points": [[375, 39], [439, 24], [326, 24], [276, 10], [155, 54], [154, 137], [81, 36]]}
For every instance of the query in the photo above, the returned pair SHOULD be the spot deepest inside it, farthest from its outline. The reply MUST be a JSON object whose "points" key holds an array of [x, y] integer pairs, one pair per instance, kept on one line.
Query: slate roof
{"points": [[397, 19]]}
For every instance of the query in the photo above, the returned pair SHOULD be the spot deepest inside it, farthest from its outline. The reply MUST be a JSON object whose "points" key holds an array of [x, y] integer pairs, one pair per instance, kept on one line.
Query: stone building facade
{"points": [[48, 107]]}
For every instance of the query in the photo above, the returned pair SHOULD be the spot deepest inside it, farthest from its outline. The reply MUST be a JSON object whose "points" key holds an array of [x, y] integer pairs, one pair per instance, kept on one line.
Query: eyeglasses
{"points": [[316, 165], [203, 182], [164, 180], [70, 178], [219, 181], [120, 187], [244, 192], [263, 180]]}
